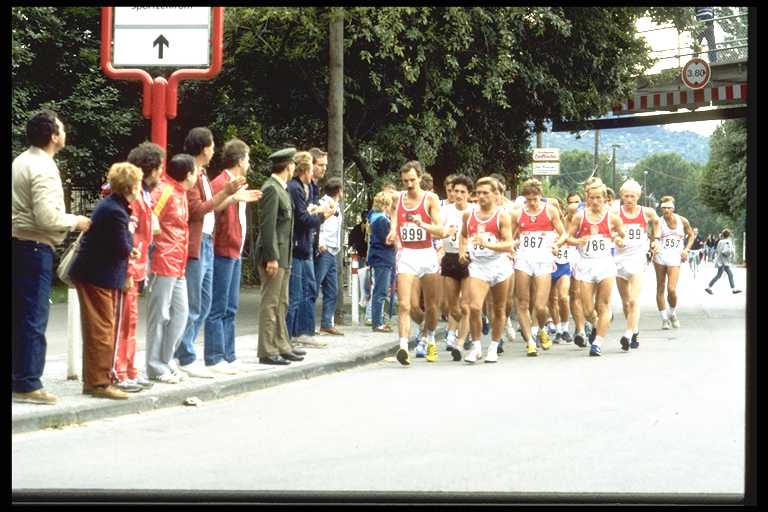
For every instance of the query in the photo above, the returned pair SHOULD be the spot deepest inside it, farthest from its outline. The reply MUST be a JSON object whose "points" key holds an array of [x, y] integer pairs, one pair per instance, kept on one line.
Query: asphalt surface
{"points": [[664, 420]]}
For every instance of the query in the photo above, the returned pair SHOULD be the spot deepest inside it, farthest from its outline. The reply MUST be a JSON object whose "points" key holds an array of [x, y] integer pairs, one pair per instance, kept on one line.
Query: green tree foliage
{"points": [[724, 184], [55, 64]]}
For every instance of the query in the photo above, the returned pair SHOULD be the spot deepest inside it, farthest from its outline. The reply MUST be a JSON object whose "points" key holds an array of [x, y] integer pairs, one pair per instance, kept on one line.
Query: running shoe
{"points": [[551, 329], [500, 348], [486, 326], [578, 339], [675, 321], [624, 344], [449, 346], [558, 338], [510, 331], [594, 350], [432, 352], [456, 354], [421, 349], [566, 337], [473, 356], [403, 357], [666, 325], [544, 339], [708, 290], [635, 343], [468, 343], [592, 335], [532, 350], [492, 357]]}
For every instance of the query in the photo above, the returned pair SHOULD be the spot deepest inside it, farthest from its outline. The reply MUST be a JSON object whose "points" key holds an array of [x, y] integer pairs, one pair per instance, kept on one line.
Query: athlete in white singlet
{"points": [[672, 251]]}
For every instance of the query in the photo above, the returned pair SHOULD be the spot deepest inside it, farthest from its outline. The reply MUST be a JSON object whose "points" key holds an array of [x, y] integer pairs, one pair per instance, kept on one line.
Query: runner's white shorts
{"points": [[535, 268], [417, 262], [594, 270], [492, 272], [668, 259], [630, 266]]}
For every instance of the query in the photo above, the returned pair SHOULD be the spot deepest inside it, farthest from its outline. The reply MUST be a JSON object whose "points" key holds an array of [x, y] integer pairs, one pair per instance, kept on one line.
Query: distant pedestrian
{"points": [[199, 270], [149, 158], [358, 242], [330, 244], [706, 16], [228, 243], [99, 272], [39, 222], [711, 246], [724, 255], [168, 306], [274, 251]]}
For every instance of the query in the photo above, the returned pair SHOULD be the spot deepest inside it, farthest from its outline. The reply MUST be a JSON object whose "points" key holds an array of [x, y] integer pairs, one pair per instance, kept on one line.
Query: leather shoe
{"points": [[298, 351], [290, 356], [273, 360], [331, 330]]}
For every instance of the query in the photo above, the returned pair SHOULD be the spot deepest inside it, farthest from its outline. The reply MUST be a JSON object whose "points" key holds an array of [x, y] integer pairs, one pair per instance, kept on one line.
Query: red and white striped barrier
{"points": [[683, 99]]}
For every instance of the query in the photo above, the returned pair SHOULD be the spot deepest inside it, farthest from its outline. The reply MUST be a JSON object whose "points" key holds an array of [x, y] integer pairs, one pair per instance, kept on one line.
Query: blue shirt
{"points": [[379, 253], [104, 249]]}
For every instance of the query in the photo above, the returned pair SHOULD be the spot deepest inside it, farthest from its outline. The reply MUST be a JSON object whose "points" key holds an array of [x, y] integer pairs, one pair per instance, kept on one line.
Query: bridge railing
{"points": [[723, 40]]}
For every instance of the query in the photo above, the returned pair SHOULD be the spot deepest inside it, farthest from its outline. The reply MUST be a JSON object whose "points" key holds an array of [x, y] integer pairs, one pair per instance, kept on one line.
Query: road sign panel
{"points": [[696, 73], [546, 168], [546, 154], [162, 36]]}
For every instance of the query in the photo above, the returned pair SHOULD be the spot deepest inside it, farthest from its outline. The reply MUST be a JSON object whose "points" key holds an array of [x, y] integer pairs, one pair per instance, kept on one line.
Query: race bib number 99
{"points": [[635, 236], [596, 247], [412, 233]]}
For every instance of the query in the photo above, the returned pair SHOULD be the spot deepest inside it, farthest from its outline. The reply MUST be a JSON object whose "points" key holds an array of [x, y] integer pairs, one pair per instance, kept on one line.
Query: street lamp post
{"points": [[614, 146], [645, 186]]}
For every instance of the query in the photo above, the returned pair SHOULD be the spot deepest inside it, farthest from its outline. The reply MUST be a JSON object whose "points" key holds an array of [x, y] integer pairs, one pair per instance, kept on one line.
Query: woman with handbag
{"points": [[99, 272]]}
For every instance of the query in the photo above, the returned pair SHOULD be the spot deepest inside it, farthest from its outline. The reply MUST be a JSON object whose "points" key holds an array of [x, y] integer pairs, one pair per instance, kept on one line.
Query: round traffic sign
{"points": [[696, 73]]}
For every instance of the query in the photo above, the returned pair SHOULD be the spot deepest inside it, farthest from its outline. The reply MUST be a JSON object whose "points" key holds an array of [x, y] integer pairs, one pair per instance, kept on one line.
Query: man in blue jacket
{"points": [[301, 288]]}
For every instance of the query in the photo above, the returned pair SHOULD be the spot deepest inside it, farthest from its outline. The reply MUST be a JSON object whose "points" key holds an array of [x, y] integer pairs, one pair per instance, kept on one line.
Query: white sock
{"points": [[451, 337], [493, 347], [418, 331], [531, 342], [598, 341], [534, 331], [664, 315], [637, 330], [431, 337], [404, 343], [672, 311], [628, 334]]}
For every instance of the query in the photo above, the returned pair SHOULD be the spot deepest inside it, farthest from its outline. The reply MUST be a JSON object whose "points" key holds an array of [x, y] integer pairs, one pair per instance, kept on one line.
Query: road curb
{"points": [[40, 419]]}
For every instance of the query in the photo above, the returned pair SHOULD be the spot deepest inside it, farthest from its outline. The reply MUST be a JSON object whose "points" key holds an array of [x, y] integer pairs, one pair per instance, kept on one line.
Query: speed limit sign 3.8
{"points": [[696, 73]]}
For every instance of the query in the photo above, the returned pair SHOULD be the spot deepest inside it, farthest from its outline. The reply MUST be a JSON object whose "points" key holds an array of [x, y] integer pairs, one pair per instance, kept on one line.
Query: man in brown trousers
{"points": [[274, 248]]}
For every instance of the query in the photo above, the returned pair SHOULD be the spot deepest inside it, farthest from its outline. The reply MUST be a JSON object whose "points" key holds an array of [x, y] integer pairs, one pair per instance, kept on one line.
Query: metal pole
{"points": [[74, 336]]}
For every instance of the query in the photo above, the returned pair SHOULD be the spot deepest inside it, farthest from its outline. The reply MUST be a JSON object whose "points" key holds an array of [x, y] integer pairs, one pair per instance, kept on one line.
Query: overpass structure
{"points": [[664, 90]]}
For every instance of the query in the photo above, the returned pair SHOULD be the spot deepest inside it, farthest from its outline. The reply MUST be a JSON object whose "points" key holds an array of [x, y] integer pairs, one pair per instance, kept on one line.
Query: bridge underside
{"points": [[727, 90]]}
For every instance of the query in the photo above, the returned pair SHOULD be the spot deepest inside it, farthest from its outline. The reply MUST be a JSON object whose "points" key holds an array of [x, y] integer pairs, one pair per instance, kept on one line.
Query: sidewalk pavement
{"points": [[359, 346]]}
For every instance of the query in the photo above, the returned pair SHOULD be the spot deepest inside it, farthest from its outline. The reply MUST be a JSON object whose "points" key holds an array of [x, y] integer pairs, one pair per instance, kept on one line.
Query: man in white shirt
{"points": [[39, 222], [329, 245]]}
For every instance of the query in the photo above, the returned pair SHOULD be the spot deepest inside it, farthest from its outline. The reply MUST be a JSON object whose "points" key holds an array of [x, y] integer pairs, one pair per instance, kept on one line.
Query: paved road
{"points": [[667, 418]]}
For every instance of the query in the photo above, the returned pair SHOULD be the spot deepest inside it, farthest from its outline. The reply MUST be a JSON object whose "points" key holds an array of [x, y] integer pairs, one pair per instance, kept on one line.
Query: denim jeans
{"points": [[381, 280], [219, 341], [301, 293], [720, 270], [32, 280], [327, 279], [199, 274]]}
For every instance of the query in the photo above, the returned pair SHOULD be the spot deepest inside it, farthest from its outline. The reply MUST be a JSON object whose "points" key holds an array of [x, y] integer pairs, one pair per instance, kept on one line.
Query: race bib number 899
{"points": [[412, 233]]}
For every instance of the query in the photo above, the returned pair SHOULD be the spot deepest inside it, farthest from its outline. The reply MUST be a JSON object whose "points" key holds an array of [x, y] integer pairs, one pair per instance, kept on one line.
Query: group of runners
{"points": [[479, 259]]}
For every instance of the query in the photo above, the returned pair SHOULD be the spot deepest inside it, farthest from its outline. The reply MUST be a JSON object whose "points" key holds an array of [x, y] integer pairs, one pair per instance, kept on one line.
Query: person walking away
{"points": [[706, 15], [724, 255], [39, 222], [325, 260], [99, 272], [274, 251]]}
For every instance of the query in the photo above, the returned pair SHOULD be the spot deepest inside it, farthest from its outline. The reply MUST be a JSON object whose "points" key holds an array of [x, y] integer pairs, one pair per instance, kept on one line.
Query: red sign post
{"points": [[160, 95]]}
